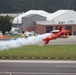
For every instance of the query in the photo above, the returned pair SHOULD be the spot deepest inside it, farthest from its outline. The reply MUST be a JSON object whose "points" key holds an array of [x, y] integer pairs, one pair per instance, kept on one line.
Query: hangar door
{"points": [[74, 32], [69, 28], [49, 28]]}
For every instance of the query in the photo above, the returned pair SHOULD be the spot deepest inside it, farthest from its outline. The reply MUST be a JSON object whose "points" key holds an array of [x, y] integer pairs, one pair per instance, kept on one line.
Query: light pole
{"points": [[17, 20]]}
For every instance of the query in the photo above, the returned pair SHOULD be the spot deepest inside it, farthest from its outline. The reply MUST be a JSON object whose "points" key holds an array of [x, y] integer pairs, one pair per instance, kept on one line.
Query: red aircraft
{"points": [[60, 33]]}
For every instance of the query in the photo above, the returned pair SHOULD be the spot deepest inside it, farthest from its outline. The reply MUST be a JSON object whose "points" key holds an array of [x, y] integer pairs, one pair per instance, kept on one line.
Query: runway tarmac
{"points": [[70, 40], [37, 67]]}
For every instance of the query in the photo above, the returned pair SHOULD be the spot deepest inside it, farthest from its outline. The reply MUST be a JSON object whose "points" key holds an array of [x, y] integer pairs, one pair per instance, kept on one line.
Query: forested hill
{"points": [[14, 6]]}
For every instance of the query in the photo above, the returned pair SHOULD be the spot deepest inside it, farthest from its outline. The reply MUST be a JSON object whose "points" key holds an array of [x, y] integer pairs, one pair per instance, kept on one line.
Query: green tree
{"points": [[5, 24], [15, 6]]}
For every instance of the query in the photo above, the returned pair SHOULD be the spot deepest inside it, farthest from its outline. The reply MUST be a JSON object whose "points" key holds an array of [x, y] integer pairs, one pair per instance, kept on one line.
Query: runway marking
{"points": [[66, 66], [35, 73], [37, 61], [5, 72]]}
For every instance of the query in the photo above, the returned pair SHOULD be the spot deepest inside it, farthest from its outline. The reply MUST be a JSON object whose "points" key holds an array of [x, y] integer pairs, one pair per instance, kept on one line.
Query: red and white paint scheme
{"points": [[60, 33]]}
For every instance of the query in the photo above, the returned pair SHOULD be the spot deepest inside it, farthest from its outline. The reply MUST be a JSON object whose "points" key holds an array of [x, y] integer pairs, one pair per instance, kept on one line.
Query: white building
{"points": [[61, 17], [64, 17], [18, 19]]}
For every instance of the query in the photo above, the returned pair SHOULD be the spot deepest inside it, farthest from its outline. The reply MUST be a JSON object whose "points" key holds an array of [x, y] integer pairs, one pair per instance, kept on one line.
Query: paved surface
{"points": [[37, 67], [70, 40]]}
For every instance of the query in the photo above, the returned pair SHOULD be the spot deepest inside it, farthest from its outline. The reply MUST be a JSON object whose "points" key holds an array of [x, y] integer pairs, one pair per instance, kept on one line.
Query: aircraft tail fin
{"points": [[46, 41]]}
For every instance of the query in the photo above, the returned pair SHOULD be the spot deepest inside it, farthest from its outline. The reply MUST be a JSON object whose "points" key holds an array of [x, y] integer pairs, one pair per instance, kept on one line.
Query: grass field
{"points": [[42, 51], [13, 36]]}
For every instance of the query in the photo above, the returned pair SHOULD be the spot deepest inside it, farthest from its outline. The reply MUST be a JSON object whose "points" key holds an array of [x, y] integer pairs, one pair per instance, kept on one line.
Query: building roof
{"points": [[56, 14], [10, 14], [49, 16], [31, 15], [18, 19], [48, 22]]}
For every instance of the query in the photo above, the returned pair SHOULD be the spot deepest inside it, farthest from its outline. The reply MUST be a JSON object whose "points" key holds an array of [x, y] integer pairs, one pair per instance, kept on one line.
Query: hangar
{"points": [[28, 21], [18, 20], [46, 22], [65, 18]]}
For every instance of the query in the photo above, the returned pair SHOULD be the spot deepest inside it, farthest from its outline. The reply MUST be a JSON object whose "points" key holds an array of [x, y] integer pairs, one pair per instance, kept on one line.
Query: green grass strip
{"points": [[41, 51]]}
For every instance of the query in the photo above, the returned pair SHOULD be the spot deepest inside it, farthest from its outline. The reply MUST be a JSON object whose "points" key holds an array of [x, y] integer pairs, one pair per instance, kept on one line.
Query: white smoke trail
{"points": [[32, 40]]}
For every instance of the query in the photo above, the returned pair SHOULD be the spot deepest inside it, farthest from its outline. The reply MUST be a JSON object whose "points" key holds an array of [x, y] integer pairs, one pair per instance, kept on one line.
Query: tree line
{"points": [[16, 6], [5, 24]]}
